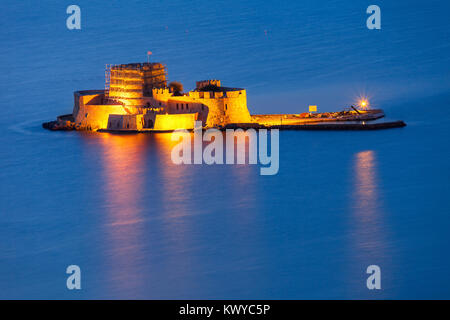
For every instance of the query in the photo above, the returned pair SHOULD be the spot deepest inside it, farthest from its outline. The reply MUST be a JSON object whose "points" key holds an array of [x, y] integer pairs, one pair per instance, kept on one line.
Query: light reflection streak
{"points": [[367, 205], [368, 229], [145, 193], [178, 209], [123, 164], [243, 176]]}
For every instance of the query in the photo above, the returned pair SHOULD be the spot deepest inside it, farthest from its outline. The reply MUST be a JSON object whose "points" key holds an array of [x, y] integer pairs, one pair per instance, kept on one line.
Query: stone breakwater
{"points": [[340, 126]]}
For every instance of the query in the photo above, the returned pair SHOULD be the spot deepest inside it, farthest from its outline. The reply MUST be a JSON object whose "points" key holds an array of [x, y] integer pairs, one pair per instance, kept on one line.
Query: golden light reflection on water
{"points": [[242, 177], [179, 184], [191, 194], [243, 199], [366, 187], [366, 205], [178, 194], [123, 161], [136, 166], [368, 232], [184, 192]]}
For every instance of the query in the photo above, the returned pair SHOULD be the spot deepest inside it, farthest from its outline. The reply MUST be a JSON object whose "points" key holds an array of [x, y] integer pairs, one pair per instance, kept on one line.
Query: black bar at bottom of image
{"points": [[220, 309]]}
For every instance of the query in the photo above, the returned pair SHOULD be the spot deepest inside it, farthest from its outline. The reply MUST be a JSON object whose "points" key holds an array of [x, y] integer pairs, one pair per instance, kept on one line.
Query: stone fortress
{"points": [[137, 98]]}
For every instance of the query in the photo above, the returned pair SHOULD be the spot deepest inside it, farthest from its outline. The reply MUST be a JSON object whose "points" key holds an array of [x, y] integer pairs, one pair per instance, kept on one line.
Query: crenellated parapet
{"points": [[204, 83], [161, 94]]}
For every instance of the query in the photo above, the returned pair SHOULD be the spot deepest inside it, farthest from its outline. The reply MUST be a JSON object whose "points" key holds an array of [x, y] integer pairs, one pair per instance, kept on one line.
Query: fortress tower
{"points": [[130, 83]]}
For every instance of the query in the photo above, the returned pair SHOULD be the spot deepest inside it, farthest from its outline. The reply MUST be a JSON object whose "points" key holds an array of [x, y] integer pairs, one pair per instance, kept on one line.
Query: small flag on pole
{"points": [[312, 108], [148, 56]]}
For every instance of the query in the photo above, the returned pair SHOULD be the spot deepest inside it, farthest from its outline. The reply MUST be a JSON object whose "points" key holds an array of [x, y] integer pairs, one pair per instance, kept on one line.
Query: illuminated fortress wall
{"points": [[90, 113]]}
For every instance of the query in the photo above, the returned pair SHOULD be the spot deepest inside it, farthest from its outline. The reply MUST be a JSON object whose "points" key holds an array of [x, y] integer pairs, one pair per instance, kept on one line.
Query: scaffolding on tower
{"points": [[131, 83], [107, 80]]}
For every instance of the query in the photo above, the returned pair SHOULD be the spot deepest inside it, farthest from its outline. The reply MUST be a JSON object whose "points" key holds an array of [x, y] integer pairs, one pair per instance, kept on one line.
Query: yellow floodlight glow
{"points": [[363, 103]]}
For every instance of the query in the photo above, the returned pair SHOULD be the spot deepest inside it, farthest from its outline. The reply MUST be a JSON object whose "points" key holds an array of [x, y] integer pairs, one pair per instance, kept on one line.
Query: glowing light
{"points": [[363, 103]]}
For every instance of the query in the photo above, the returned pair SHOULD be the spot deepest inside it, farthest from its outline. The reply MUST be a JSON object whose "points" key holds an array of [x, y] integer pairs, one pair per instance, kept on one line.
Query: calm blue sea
{"points": [[140, 227]]}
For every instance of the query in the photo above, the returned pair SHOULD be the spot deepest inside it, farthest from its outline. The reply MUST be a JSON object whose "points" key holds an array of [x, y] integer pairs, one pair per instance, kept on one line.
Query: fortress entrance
{"points": [[148, 124]]}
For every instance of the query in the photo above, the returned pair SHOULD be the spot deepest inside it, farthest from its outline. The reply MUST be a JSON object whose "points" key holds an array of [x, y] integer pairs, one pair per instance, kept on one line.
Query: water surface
{"points": [[142, 227]]}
